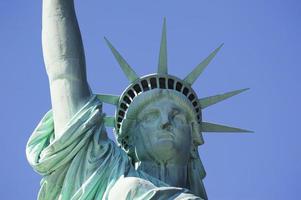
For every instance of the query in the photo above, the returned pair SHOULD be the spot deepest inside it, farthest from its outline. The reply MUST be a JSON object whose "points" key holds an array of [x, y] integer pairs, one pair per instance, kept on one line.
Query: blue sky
{"points": [[262, 51]]}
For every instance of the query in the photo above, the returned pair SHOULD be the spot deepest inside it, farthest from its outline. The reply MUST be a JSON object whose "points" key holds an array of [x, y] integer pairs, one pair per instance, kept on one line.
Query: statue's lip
{"points": [[165, 135]]}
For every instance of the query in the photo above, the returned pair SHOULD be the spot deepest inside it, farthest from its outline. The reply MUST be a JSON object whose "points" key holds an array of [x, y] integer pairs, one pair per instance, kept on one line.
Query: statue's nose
{"points": [[165, 123]]}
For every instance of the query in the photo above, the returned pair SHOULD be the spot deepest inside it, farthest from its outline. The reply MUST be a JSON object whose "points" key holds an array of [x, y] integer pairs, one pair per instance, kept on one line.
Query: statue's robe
{"points": [[84, 164]]}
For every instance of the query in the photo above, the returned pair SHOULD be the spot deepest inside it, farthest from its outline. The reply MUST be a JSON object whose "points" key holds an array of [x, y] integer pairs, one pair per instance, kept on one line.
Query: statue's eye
{"points": [[150, 116], [178, 116]]}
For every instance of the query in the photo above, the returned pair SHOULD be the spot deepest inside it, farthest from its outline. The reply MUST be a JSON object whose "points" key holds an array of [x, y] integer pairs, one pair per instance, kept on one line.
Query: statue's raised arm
{"points": [[64, 60]]}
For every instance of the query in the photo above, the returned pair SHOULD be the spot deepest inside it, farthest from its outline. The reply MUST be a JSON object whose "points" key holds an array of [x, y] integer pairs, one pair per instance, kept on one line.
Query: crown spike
{"points": [[109, 121], [208, 101], [128, 71], [190, 78], [107, 98], [210, 127], [162, 66]]}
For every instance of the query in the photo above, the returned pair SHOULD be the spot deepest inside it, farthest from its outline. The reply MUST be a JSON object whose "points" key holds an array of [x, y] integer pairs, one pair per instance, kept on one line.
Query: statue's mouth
{"points": [[165, 135]]}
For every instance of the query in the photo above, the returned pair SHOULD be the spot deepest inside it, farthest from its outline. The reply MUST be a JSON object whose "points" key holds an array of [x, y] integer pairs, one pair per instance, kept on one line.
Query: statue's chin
{"points": [[164, 150], [165, 144]]}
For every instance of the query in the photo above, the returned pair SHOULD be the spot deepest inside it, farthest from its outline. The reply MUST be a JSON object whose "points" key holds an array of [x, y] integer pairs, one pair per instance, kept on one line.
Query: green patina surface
{"points": [[85, 164], [158, 125]]}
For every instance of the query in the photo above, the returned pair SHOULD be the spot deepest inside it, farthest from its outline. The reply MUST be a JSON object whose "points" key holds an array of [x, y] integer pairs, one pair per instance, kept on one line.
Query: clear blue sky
{"points": [[262, 51]]}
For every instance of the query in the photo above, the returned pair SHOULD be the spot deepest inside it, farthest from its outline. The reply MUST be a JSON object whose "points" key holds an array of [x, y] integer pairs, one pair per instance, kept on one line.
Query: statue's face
{"points": [[163, 133]]}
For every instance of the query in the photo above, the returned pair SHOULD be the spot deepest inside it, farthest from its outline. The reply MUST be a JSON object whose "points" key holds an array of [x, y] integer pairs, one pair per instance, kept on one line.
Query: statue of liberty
{"points": [[158, 125]]}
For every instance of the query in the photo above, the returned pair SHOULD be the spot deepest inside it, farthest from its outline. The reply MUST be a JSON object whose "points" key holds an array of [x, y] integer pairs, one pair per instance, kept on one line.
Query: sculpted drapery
{"points": [[84, 164]]}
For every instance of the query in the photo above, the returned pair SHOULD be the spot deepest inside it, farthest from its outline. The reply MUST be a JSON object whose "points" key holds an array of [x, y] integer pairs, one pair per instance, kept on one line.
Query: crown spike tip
{"points": [[210, 127], [126, 68], [162, 66], [197, 71], [211, 100]]}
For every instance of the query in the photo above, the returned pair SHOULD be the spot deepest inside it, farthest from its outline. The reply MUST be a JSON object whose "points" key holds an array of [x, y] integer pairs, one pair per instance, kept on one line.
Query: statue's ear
{"points": [[196, 133], [193, 147], [127, 137], [125, 126], [126, 130]]}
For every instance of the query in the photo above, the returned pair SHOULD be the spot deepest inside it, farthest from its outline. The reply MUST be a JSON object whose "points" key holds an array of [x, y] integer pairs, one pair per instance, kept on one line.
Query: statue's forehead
{"points": [[159, 99], [162, 103]]}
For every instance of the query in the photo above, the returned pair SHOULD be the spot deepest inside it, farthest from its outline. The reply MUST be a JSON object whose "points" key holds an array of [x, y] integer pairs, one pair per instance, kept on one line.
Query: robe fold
{"points": [[84, 164]]}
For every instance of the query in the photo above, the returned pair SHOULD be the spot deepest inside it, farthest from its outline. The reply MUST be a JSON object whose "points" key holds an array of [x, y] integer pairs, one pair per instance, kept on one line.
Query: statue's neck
{"points": [[172, 174]]}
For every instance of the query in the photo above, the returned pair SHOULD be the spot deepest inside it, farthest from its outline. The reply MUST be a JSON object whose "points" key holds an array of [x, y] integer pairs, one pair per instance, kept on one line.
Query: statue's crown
{"points": [[162, 80]]}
